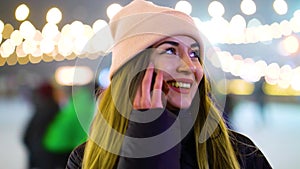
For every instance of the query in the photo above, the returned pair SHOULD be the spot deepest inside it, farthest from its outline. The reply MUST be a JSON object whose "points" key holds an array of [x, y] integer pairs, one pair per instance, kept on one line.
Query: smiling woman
{"points": [[158, 111], [179, 63]]}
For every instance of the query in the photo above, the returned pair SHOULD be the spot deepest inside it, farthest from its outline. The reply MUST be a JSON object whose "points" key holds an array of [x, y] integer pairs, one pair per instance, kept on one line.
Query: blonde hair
{"points": [[215, 152]]}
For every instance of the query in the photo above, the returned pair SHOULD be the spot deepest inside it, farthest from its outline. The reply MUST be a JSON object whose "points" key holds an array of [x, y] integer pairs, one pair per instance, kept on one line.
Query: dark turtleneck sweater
{"points": [[174, 150]]}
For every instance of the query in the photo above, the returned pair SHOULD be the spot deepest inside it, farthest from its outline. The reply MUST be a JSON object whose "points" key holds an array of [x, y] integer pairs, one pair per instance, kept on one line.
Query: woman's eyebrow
{"points": [[195, 45], [168, 42]]}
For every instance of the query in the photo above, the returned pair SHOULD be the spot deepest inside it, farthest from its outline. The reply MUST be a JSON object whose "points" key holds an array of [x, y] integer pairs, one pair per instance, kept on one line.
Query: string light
{"points": [[27, 30], [98, 25], [30, 45], [113, 9], [290, 45], [248, 7], [184, 6], [280, 7], [1, 26], [22, 12], [54, 16], [216, 9]]}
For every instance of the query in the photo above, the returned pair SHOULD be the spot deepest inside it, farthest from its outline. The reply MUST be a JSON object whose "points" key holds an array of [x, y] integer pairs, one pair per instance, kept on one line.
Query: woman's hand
{"points": [[145, 98]]}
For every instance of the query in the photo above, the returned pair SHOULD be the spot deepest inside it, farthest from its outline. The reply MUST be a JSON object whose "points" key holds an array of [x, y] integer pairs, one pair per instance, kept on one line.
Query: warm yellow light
{"points": [[27, 30], [23, 60], [213, 32], [275, 30], [98, 25], [80, 43], [272, 73], [1, 27], [47, 46], [275, 90], [50, 31], [38, 36], [29, 46], [2, 60], [66, 32], [248, 7], [20, 52], [65, 46], [295, 24], [297, 13], [54, 16], [285, 28], [264, 34], [285, 77], [238, 22], [290, 44], [59, 58], [216, 9], [34, 60], [280, 6], [22, 12], [37, 53], [261, 67], [16, 37], [12, 60], [237, 28], [237, 68], [88, 31], [295, 82], [184, 6], [77, 28], [7, 30], [47, 58], [69, 75], [7, 48], [240, 87], [226, 61], [254, 74], [113, 9]]}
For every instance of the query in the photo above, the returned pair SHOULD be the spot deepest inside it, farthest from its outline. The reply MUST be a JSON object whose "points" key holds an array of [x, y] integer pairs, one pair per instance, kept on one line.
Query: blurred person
{"points": [[260, 98], [65, 132], [46, 108], [158, 112]]}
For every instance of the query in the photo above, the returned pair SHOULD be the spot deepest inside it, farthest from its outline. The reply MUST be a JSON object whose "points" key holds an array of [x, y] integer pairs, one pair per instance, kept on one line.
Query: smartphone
{"points": [[153, 81]]}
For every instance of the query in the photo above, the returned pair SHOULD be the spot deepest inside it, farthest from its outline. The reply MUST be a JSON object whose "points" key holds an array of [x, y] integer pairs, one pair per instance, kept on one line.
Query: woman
{"points": [[158, 111]]}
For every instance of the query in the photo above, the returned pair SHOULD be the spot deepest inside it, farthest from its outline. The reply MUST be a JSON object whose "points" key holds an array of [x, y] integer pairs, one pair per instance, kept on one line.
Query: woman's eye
{"points": [[194, 54], [170, 51]]}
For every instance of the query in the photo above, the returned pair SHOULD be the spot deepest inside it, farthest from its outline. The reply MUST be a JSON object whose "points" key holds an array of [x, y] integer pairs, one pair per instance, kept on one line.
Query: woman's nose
{"points": [[186, 63]]}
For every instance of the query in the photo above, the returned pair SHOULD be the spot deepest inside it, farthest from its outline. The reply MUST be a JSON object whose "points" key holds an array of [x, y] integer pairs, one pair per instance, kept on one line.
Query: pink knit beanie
{"points": [[140, 24]]}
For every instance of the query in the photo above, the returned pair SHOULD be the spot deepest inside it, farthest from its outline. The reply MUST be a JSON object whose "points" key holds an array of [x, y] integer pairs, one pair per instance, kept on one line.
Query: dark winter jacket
{"points": [[181, 156]]}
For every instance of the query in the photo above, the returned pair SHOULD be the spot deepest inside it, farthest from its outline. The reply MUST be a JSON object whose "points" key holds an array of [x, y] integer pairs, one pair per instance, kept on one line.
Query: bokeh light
{"points": [[103, 79], [22, 12], [280, 7], [216, 9], [54, 16], [113, 9], [248, 7], [27, 30], [69, 75], [98, 25], [290, 44], [184, 6]]}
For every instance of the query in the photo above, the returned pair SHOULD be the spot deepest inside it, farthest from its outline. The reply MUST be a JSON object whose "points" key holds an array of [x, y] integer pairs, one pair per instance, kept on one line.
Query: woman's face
{"points": [[178, 58]]}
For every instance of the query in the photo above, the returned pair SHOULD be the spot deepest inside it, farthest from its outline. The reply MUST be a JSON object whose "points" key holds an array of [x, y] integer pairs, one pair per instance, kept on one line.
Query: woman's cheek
{"points": [[199, 73]]}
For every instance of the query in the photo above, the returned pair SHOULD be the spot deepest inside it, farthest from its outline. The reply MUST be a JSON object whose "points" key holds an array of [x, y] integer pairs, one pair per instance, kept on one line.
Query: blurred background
{"points": [[44, 51]]}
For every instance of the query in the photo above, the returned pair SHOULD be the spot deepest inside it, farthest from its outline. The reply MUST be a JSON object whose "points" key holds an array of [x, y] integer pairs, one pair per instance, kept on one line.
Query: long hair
{"points": [[115, 105]]}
